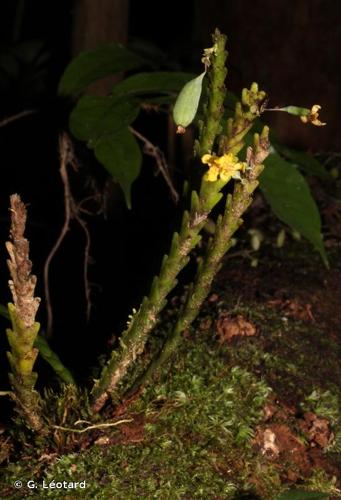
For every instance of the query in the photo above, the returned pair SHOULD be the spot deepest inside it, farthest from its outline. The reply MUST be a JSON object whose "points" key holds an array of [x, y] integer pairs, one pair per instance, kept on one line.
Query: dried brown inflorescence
{"points": [[23, 334], [22, 283]]}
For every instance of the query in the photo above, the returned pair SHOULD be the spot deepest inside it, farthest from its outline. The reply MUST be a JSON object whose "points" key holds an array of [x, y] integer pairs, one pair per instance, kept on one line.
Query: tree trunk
{"points": [[99, 22]]}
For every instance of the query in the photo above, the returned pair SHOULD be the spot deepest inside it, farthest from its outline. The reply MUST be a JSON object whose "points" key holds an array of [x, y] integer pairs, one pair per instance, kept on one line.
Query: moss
{"points": [[198, 421], [200, 418], [327, 404], [320, 481], [293, 356]]}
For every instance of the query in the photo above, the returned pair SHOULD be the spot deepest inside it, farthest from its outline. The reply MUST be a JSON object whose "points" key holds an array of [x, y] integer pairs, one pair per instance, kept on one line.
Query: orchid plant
{"points": [[230, 158]]}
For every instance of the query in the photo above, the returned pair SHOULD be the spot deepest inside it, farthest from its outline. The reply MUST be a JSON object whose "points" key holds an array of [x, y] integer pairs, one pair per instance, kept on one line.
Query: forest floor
{"points": [[248, 409]]}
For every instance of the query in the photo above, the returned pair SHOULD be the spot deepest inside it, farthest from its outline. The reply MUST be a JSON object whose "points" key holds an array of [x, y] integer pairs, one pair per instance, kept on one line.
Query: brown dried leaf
{"points": [[228, 327], [317, 430]]}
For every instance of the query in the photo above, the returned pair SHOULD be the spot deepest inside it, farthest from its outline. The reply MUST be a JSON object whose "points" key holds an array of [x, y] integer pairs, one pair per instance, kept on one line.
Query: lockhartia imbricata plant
{"points": [[229, 171]]}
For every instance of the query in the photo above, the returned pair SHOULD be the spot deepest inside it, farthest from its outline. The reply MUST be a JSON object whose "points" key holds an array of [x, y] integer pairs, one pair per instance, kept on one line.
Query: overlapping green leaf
{"points": [[102, 122], [121, 156], [92, 65], [289, 197]]}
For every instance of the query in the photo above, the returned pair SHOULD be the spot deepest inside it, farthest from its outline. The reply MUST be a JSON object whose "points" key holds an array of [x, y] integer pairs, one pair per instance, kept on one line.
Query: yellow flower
{"points": [[223, 167], [312, 117]]}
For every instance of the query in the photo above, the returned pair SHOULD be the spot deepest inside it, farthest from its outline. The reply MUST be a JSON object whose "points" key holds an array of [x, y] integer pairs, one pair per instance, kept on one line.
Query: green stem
{"points": [[226, 226], [22, 357], [134, 338], [210, 129]]}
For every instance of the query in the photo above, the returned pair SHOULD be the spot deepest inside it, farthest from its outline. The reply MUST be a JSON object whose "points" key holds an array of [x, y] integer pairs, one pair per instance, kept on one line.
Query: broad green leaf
{"points": [[92, 65], [302, 495], [289, 196], [162, 82], [102, 122], [307, 162], [121, 156], [94, 117]]}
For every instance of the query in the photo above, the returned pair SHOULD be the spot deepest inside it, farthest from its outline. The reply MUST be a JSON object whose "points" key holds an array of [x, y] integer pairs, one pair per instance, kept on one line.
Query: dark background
{"points": [[291, 48]]}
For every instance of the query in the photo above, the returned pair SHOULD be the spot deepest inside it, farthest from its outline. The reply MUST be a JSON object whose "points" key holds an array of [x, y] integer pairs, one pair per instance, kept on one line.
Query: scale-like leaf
{"points": [[289, 196], [161, 82], [121, 156], [92, 65], [96, 116]]}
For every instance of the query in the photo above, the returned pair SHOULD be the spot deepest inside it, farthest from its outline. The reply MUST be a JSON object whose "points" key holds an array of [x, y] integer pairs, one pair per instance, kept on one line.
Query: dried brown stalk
{"points": [[24, 331], [22, 284]]}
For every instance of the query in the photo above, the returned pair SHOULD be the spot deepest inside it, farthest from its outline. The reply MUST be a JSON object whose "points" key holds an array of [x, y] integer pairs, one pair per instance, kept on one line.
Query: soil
{"points": [[294, 285]]}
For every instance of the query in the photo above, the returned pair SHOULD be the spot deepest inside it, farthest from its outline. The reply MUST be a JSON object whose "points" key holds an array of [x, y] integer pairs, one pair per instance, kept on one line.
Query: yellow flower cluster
{"points": [[312, 117], [223, 167]]}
